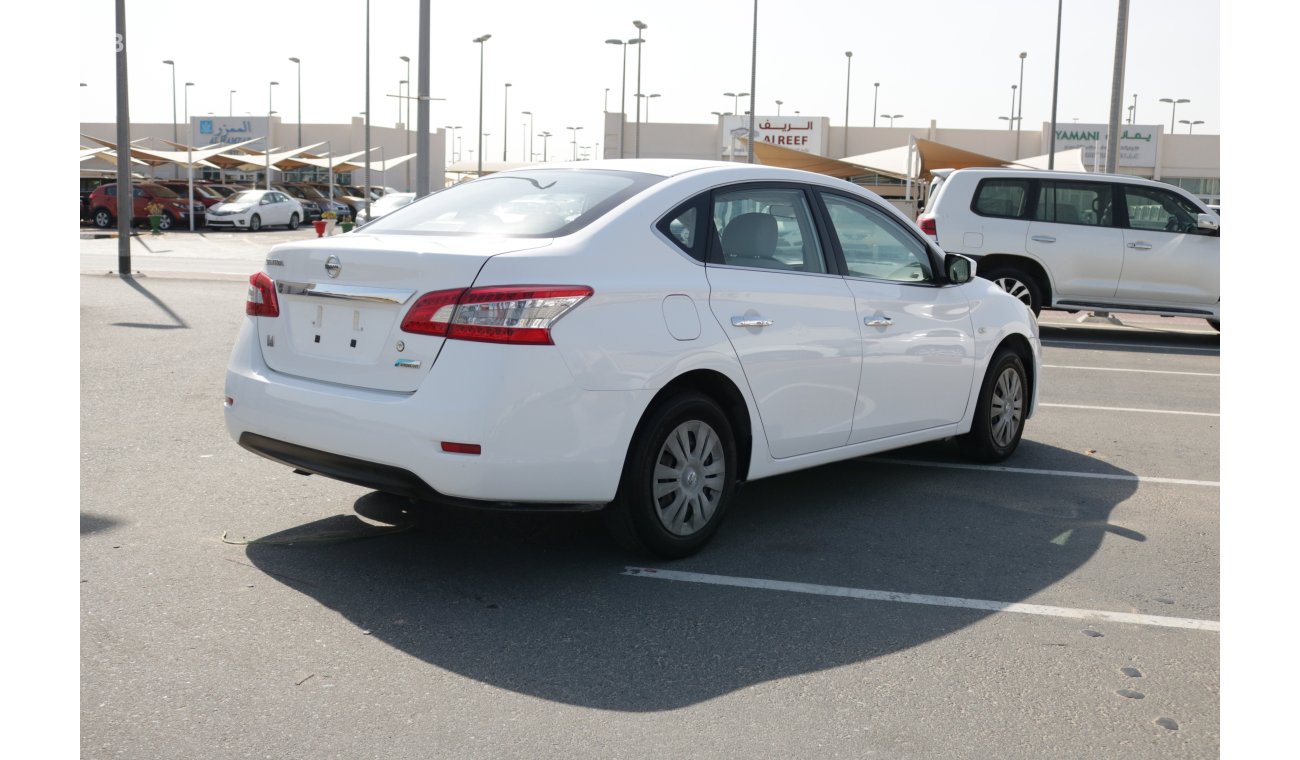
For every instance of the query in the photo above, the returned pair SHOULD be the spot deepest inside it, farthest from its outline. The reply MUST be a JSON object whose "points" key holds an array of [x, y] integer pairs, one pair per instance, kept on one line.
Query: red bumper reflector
{"points": [[461, 448]]}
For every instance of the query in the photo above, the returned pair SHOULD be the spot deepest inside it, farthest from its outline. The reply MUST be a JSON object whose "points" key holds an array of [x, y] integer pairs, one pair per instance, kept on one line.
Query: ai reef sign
{"points": [[803, 133]]}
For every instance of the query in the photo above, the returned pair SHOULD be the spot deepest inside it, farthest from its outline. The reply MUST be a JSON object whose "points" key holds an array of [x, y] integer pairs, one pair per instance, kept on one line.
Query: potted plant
{"points": [[346, 224], [155, 211], [325, 225]]}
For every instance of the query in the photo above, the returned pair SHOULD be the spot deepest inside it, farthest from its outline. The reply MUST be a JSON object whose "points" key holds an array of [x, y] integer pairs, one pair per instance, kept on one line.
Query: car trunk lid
{"points": [[341, 304]]}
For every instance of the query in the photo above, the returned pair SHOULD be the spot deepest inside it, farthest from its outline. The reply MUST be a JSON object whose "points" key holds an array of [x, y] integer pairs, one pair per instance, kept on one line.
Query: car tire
{"points": [[293, 221], [1000, 413], [167, 222], [1019, 284], [255, 223], [103, 218], [678, 479], [1215, 324]]}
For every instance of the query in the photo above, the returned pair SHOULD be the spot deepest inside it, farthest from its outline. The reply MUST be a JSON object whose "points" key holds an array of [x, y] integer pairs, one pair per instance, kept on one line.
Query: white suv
{"points": [[1077, 241]]}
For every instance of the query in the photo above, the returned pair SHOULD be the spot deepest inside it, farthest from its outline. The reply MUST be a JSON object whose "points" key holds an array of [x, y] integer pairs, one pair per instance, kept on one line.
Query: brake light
{"points": [[518, 314], [262, 301], [928, 226]]}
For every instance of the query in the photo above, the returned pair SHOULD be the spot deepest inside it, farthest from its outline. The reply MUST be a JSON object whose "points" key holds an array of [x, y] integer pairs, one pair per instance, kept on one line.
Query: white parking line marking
{"points": [[938, 601], [1127, 409], [1094, 344], [1057, 473], [1144, 371]]}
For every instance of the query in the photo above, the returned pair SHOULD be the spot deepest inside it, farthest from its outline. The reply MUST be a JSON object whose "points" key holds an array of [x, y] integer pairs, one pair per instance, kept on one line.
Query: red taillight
{"points": [[927, 226], [432, 313], [262, 301], [518, 314]]}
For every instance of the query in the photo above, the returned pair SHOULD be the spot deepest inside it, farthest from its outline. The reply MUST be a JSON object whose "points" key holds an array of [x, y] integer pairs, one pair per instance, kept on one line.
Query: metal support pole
{"points": [[1117, 89], [125, 197], [422, 110], [1056, 83], [753, 74]]}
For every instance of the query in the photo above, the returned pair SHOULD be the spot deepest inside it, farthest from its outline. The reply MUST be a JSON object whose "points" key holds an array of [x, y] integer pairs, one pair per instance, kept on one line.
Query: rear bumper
{"points": [[544, 440]]}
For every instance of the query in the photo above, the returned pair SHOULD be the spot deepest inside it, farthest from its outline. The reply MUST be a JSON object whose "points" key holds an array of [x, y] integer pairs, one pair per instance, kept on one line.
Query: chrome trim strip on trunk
{"points": [[344, 292]]}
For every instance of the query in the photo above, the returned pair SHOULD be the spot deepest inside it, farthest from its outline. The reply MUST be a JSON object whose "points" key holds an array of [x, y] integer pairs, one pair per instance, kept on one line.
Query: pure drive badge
{"points": [[407, 363], [333, 266]]}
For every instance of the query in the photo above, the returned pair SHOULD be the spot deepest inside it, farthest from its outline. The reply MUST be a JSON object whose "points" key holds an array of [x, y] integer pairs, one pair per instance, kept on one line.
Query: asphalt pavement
{"points": [[1063, 604]]}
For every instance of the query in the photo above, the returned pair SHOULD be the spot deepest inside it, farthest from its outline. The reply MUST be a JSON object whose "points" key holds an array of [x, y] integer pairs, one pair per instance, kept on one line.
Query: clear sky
{"points": [[951, 61]]}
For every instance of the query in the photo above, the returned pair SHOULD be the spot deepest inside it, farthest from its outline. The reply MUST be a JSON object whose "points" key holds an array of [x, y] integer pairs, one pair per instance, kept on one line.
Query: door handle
{"points": [[750, 322], [881, 321], [1043, 238], [1140, 246]]}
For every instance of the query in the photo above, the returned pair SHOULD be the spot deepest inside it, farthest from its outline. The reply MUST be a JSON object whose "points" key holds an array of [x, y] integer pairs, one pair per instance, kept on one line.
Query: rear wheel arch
{"points": [[1002, 261], [725, 394]]}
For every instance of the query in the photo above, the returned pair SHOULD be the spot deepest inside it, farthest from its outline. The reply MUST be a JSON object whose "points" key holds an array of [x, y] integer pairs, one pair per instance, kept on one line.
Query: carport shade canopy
{"points": [[208, 156], [893, 161]]}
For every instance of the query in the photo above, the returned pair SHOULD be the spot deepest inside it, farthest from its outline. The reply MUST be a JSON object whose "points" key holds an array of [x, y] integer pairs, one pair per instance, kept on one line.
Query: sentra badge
{"points": [[333, 266]]}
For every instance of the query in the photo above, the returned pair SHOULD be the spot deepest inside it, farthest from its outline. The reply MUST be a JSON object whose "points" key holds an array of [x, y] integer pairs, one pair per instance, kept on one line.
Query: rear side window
{"points": [[682, 226], [1087, 203], [1001, 197]]}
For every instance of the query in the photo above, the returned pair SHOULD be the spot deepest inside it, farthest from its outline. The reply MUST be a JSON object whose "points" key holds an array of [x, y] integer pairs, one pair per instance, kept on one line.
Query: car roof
{"points": [[1053, 174], [672, 167]]}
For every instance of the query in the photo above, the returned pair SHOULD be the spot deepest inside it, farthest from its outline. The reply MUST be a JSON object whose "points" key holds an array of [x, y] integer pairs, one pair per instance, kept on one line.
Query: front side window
{"points": [[1001, 197], [1087, 203], [1151, 208], [542, 203], [766, 228], [874, 245]]}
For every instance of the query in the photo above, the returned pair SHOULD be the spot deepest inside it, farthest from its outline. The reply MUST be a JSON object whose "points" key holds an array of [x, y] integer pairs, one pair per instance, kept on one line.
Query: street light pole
{"points": [[622, 107], [848, 75], [1173, 109], [299, 63], [505, 125], [270, 94], [1190, 124], [480, 41], [891, 117], [1056, 82], [779, 103], [640, 27], [1133, 110], [545, 142], [529, 114], [1021, 109], [173, 65], [189, 152], [875, 104], [232, 103], [407, 123], [575, 141], [1011, 122]]}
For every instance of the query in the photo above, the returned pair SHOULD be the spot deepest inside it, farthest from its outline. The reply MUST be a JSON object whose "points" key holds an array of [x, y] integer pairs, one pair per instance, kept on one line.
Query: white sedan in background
{"points": [[255, 209], [387, 202], [637, 336]]}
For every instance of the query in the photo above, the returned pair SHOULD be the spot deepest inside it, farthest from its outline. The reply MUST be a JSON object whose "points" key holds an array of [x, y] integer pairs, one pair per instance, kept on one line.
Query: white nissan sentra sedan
{"points": [[637, 336]]}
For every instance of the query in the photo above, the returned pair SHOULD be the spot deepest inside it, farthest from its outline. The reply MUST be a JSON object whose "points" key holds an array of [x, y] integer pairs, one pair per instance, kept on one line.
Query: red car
{"points": [[103, 206], [203, 192]]}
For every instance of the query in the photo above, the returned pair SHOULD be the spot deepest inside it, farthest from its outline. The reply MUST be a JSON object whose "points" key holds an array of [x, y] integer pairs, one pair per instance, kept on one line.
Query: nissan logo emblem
{"points": [[333, 266]]}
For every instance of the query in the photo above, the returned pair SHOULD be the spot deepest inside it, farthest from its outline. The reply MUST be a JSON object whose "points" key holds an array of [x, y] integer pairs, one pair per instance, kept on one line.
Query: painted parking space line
{"points": [[1052, 473], [1096, 344], [926, 599], [1142, 371], [1129, 409]]}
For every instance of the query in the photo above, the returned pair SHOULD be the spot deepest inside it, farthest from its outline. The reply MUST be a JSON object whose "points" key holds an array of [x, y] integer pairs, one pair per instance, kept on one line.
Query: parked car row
{"points": [[99, 204]]}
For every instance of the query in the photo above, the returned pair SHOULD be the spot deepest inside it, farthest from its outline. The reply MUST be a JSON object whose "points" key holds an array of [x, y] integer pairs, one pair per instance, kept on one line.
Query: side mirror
{"points": [[1207, 222], [958, 269], [264, 202]]}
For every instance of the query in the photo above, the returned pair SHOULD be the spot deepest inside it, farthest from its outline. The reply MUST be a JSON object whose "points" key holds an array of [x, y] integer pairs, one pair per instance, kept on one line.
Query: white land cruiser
{"points": [[1077, 241]]}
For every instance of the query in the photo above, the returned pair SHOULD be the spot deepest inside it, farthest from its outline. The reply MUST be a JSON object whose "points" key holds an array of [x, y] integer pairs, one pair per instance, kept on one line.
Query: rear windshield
{"points": [[542, 203]]}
